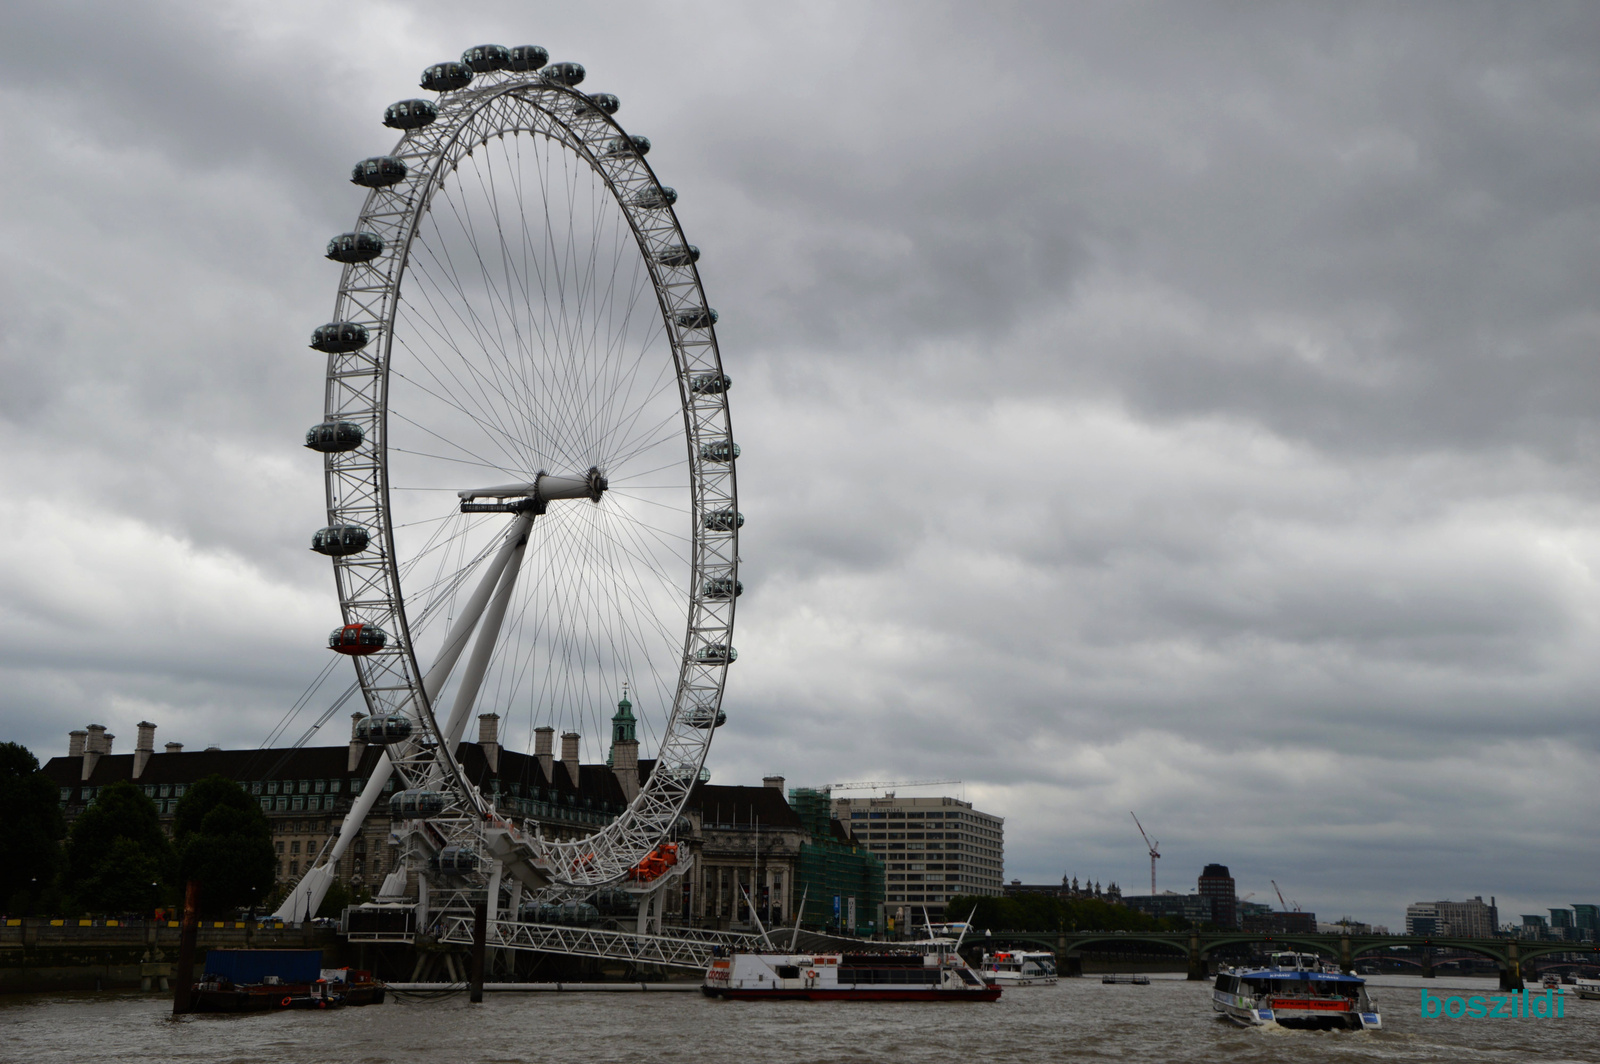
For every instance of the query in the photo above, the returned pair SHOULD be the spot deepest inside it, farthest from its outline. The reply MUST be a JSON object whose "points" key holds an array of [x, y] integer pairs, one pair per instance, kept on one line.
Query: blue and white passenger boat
{"points": [[1295, 990]]}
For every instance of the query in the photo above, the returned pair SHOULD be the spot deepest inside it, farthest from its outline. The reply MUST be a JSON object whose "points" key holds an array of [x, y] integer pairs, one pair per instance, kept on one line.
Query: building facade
{"points": [[1195, 908], [1453, 919], [745, 841], [932, 848], [1217, 885]]}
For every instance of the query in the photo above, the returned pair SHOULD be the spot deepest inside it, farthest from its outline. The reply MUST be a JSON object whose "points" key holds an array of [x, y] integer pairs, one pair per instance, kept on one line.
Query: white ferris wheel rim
{"points": [[360, 491]]}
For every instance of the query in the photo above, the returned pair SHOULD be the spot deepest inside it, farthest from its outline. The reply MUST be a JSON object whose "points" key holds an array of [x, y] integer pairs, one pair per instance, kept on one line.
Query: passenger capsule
{"points": [[706, 717], [723, 587], [723, 520], [564, 73], [656, 198], [602, 103], [333, 437], [710, 383], [628, 146], [340, 337], [697, 318], [719, 451], [415, 804], [716, 654], [445, 77], [355, 247], [410, 114], [458, 860], [340, 541], [678, 255], [380, 171], [383, 729], [528, 57], [487, 57], [358, 640]]}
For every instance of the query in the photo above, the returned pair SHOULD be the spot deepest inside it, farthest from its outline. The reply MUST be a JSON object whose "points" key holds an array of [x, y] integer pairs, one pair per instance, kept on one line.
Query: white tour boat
{"points": [[1020, 968], [1295, 990], [891, 975]]}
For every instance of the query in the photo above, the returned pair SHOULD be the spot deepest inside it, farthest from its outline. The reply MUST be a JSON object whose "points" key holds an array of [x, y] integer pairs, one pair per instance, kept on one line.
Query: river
{"points": [[1080, 1019]]}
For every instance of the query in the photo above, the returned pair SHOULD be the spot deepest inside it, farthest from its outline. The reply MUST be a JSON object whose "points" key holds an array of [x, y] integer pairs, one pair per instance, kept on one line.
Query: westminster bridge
{"points": [[1508, 954]]}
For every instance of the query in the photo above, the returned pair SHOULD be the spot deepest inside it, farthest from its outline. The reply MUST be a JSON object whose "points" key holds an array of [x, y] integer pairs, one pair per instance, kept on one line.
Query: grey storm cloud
{"points": [[1181, 407]]}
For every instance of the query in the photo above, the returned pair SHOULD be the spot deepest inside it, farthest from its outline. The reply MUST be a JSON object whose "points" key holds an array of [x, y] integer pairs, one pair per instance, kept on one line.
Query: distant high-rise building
{"points": [[1217, 884], [1457, 919], [933, 848], [1586, 921]]}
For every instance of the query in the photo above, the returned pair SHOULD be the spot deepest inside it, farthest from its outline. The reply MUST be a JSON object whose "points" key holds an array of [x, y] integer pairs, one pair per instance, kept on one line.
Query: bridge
{"points": [[1508, 954]]}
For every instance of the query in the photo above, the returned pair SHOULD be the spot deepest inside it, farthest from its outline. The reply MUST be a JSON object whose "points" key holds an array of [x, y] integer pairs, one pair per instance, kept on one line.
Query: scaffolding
{"points": [[841, 879]]}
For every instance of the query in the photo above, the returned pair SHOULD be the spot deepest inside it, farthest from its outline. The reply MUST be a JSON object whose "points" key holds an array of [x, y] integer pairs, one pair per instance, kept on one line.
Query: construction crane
{"points": [[1154, 853], [873, 785], [1281, 902]]}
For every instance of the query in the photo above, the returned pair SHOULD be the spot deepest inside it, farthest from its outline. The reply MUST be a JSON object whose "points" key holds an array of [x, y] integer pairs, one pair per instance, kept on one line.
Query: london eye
{"points": [[530, 469]]}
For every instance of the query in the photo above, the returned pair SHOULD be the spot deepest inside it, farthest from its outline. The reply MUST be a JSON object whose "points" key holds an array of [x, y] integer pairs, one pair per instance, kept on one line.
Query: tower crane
{"points": [[1281, 902], [873, 785], [1154, 853]]}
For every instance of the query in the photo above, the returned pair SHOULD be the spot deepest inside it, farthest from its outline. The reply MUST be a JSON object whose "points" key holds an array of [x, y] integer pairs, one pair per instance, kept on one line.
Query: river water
{"points": [[1080, 1019]]}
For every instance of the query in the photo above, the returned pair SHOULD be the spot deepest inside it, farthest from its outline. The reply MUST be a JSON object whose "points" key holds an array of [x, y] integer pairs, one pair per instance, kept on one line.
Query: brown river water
{"points": [[1079, 1019]]}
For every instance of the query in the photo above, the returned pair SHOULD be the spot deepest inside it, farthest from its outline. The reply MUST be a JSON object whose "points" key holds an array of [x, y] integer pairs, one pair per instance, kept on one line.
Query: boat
{"points": [[1129, 980], [889, 975], [1020, 968], [1294, 990], [216, 994], [1588, 989]]}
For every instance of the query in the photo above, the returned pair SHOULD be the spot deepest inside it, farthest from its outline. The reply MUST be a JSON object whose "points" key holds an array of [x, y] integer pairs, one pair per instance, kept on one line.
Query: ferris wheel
{"points": [[530, 469]]}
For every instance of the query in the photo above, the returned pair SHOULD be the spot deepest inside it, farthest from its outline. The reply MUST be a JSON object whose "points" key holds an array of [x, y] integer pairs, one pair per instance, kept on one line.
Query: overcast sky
{"points": [[1189, 409]]}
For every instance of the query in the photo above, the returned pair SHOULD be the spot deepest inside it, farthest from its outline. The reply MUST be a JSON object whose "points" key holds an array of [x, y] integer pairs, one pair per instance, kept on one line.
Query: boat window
{"points": [[788, 971]]}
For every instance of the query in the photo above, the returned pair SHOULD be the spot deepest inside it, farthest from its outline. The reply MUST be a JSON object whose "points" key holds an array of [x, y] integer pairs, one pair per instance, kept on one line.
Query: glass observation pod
{"points": [[528, 57], [340, 337], [722, 587], [355, 247], [415, 804], [719, 451], [600, 103], [380, 171], [564, 73], [486, 57], [444, 77], [723, 520], [628, 146], [332, 437], [358, 640], [339, 541], [697, 318], [716, 654], [383, 729], [457, 860], [410, 114], [704, 717], [678, 255], [655, 199], [710, 383]]}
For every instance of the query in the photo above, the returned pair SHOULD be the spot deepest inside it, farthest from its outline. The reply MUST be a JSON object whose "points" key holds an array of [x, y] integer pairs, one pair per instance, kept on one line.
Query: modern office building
{"points": [[1195, 908], [932, 848], [1216, 884], [1453, 919]]}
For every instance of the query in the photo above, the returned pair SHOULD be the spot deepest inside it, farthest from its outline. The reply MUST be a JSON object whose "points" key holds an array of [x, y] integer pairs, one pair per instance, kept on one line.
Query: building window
{"points": [[294, 868], [280, 847], [294, 847], [266, 805], [333, 786]]}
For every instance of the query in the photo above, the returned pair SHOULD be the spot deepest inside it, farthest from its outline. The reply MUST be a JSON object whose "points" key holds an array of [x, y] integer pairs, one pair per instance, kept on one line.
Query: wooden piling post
{"points": [[187, 939], [480, 934]]}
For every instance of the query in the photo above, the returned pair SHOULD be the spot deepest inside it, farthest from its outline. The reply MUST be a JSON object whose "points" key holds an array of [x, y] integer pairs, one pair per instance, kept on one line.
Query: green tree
{"points": [[224, 842], [30, 832], [117, 858]]}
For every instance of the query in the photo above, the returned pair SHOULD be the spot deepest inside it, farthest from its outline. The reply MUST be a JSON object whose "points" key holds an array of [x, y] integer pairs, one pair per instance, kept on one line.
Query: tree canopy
{"points": [[30, 832], [1046, 912], [117, 858], [225, 843]]}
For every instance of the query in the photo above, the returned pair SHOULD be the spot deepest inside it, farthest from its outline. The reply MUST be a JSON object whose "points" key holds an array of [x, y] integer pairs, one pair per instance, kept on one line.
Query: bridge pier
{"points": [[1347, 963], [1511, 974], [1197, 961], [1427, 962]]}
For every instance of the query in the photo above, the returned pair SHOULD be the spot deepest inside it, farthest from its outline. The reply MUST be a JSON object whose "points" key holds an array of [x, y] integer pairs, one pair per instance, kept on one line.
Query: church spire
{"points": [[623, 725]]}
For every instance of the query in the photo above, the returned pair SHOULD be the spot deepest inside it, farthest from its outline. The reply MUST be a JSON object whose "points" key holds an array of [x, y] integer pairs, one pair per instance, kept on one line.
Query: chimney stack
{"points": [[357, 747], [773, 781], [625, 765], [489, 739], [569, 755], [174, 748], [94, 746], [75, 743], [544, 745], [144, 748]]}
